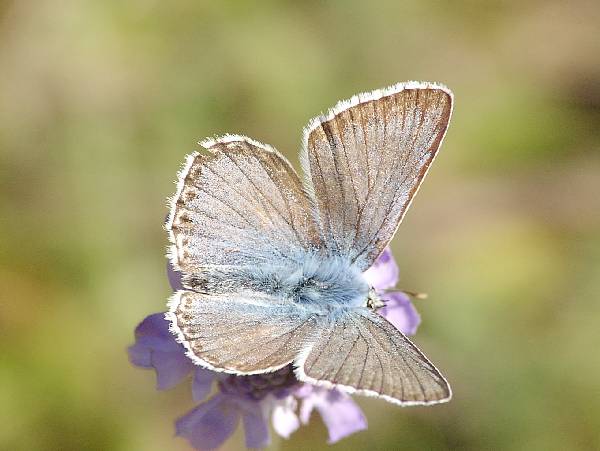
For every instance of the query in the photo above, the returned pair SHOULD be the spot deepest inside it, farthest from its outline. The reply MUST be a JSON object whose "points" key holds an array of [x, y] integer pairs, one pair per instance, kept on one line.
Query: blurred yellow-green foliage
{"points": [[101, 101]]}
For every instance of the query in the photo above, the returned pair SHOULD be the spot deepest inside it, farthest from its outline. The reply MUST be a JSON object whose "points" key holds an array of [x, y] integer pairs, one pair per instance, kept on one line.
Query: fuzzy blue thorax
{"points": [[319, 283]]}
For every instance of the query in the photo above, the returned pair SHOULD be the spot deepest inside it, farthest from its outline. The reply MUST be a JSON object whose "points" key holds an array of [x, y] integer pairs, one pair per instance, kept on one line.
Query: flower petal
{"points": [[383, 274], [202, 383], [400, 311], [155, 347], [210, 424], [309, 399], [140, 355], [285, 420], [171, 368], [339, 412], [174, 277], [256, 428], [156, 326]]}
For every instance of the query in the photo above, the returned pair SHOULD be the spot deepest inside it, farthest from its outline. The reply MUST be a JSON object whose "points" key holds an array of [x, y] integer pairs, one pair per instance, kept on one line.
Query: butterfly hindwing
{"points": [[239, 333], [361, 351]]}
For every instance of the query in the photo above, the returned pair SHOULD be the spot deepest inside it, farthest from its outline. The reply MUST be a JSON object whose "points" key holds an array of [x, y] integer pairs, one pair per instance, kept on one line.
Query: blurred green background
{"points": [[101, 101]]}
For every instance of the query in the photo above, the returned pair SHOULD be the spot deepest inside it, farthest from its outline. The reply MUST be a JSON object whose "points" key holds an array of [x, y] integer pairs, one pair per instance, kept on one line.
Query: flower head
{"points": [[398, 310], [253, 400], [156, 348]]}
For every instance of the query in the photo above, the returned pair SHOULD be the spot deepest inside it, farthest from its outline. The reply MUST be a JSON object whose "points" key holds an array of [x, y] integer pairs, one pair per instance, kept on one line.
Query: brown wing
{"points": [[365, 160], [239, 333], [364, 353], [239, 204]]}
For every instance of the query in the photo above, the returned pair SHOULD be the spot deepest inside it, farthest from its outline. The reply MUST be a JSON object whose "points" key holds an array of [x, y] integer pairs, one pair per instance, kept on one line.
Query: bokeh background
{"points": [[101, 101]]}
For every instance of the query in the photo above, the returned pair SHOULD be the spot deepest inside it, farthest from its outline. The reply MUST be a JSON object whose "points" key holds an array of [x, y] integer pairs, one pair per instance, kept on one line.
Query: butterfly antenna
{"points": [[415, 295], [411, 294]]}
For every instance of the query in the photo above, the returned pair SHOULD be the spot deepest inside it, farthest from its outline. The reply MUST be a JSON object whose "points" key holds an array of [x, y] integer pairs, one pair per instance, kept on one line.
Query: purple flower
{"points": [[249, 399], [155, 348], [338, 411], [253, 400], [383, 273], [398, 310]]}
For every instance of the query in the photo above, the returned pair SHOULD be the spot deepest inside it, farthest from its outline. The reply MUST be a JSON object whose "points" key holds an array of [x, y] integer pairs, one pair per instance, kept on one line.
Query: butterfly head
{"points": [[374, 302]]}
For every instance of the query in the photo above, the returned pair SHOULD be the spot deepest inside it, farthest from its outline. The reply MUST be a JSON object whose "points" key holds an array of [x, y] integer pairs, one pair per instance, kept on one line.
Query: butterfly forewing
{"points": [[240, 204], [362, 352], [365, 160]]}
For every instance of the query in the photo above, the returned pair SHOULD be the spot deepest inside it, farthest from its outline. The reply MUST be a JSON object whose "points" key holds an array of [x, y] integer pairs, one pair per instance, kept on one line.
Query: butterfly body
{"points": [[273, 266], [320, 284], [312, 282]]}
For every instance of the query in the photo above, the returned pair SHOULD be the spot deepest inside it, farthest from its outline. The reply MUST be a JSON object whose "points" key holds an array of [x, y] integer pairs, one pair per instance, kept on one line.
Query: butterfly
{"points": [[273, 264]]}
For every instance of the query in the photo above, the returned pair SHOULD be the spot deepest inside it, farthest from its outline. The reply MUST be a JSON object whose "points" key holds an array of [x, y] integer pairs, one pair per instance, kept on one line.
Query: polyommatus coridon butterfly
{"points": [[273, 265]]}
